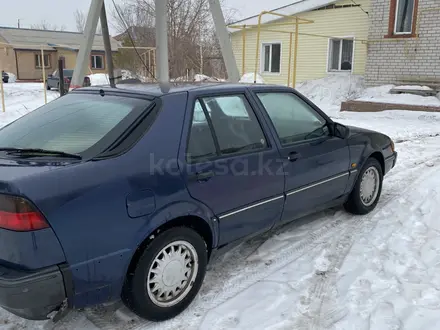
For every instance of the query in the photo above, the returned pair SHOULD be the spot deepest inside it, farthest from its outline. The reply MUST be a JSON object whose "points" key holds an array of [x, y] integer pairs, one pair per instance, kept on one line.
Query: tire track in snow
{"points": [[322, 312], [235, 285]]}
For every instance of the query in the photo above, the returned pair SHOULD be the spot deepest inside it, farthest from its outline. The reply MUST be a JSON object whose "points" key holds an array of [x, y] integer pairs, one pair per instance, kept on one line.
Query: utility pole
{"points": [[2, 90], [18, 23], [108, 47], [83, 58], [162, 41], [224, 41]]}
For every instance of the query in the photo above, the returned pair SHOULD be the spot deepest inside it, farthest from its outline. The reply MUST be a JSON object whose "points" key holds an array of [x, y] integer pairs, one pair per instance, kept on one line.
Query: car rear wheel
{"points": [[168, 275], [368, 187]]}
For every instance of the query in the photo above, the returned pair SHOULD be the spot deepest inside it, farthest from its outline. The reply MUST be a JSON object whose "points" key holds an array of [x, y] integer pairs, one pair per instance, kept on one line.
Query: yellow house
{"points": [[20, 51], [332, 39]]}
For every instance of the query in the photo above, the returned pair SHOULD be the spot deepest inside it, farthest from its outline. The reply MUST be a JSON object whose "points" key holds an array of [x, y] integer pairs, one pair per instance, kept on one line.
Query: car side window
{"points": [[201, 145], [235, 124], [293, 118]]}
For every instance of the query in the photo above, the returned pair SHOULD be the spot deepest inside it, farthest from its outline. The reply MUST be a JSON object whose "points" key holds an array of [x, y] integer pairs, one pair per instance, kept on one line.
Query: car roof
{"points": [[172, 88]]}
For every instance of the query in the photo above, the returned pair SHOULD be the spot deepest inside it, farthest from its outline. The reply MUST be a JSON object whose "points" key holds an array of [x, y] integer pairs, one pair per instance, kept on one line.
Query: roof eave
{"points": [[290, 10]]}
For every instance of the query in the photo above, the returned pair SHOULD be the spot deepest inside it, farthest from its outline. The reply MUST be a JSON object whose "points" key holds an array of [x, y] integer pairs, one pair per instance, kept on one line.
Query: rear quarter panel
{"points": [[87, 205]]}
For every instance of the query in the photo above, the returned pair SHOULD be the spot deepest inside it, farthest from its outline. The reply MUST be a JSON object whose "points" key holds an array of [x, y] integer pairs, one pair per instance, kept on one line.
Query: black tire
{"points": [[354, 203], [47, 86], [135, 294]]}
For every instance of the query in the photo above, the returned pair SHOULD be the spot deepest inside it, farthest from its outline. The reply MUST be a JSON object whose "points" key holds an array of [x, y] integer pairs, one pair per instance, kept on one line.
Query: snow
{"points": [[249, 78], [12, 77], [414, 87], [381, 94], [333, 89], [330, 270], [197, 78], [99, 79], [102, 79], [21, 98], [202, 77]]}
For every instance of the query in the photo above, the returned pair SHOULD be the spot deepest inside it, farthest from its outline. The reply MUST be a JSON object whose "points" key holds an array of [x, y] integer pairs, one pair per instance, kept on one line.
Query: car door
{"points": [[232, 165], [316, 164]]}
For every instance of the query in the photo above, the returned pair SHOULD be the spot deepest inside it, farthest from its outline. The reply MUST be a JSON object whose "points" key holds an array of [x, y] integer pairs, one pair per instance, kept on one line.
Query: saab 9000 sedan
{"points": [[128, 193]]}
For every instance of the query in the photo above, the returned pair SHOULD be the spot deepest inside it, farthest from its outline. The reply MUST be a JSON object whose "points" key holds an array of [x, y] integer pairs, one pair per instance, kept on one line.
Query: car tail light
{"points": [[18, 214], [67, 80]]}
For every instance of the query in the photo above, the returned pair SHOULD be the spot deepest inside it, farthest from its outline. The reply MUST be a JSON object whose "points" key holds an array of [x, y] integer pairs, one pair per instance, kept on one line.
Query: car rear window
{"points": [[72, 123], [68, 73]]}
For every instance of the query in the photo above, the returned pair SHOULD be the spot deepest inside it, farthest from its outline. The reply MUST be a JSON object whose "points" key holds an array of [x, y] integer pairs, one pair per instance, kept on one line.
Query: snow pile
{"points": [[414, 87], [127, 74], [204, 78], [12, 77], [99, 79], [249, 78], [333, 89], [382, 94], [197, 78]]}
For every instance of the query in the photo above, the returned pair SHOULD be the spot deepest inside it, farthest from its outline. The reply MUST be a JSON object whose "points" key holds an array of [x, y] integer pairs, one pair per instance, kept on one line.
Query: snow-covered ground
{"points": [[331, 270]]}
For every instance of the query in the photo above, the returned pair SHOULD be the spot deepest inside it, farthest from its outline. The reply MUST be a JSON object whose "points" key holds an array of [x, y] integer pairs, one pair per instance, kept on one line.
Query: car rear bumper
{"points": [[32, 295], [390, 162]]}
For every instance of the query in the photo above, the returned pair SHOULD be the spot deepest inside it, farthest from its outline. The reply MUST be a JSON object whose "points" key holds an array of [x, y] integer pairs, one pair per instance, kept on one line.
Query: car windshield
{"points": [[71, 124], [68, 73]]}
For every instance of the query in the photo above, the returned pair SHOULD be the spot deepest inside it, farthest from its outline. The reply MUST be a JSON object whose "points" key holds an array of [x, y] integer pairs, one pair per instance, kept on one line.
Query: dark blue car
{"points": [[130, 192]]}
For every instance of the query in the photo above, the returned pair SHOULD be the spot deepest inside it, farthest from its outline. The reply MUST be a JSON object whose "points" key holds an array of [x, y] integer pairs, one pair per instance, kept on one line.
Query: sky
{"points": [[61, 12]]}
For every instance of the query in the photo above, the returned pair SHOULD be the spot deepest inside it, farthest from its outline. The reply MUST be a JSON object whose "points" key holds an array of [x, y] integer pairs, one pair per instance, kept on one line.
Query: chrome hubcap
{"points": [[370, 186], [172, 274]]}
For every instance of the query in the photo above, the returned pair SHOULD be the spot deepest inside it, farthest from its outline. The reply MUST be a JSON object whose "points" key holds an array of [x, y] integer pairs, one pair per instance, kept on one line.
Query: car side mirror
{"points": [[340, 130]]}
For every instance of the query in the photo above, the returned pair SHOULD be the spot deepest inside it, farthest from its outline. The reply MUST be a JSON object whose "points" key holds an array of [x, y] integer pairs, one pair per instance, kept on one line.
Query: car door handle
{"points": [[203, 176], [294, 156]]}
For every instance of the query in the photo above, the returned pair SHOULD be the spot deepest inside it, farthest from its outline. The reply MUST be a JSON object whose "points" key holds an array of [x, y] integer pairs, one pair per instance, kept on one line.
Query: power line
{"points": [[127, 29]]}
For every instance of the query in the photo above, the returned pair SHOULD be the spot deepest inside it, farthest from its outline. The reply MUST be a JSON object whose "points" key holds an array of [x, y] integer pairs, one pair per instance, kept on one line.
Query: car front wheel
{"points": [[368, 187], [168, 275]]}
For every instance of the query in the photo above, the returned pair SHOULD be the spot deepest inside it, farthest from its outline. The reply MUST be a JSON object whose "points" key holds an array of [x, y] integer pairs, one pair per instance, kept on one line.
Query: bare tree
{"points": [[80, 20], [190, 32], [44, 25]]}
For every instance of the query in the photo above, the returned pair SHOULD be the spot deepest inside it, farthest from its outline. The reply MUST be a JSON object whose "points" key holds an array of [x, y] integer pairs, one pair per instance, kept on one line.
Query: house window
{"points": [[403, 19], [403, 23], [340, 55], [271, 58], [97, 62], [38, 62]]}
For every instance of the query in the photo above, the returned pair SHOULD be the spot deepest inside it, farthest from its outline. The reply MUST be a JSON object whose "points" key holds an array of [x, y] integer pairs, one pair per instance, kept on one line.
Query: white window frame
{"points": [[39, 66], [340, 54], [94, 56], [395, 19], [270, 43]]}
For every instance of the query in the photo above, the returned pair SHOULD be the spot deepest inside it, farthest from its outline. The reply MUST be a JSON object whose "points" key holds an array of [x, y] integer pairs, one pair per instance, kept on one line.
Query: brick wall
{"points": [[389, 59]]}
